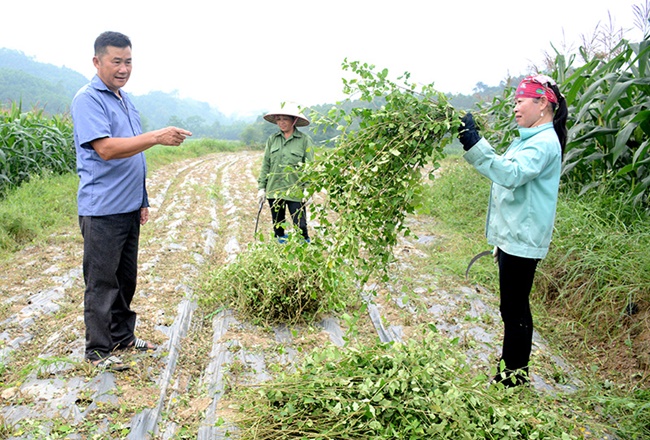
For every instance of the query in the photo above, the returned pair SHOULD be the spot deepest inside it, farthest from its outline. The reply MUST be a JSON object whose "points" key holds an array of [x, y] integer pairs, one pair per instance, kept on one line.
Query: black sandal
{"points": [[142, 345]]}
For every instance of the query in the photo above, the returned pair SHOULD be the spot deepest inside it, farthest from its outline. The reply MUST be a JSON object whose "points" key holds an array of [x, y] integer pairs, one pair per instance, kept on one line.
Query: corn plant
{"points": [[610, 134], [608, 97], [32, 143]]}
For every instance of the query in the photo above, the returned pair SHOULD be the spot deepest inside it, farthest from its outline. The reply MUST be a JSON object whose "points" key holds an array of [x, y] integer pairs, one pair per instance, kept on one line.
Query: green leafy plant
{"points": [[369, 180], [421, 389], [273, 283], [55, 197], [371, 177], [32, 143]]}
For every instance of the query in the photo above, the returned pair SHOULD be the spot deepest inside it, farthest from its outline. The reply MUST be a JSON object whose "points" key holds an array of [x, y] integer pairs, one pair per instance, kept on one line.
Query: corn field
{"points": [[33, 144], [608, 96]]}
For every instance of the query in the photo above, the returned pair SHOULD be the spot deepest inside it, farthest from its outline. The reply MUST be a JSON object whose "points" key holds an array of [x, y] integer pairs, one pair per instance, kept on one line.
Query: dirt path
{"points": [[203, 213]]}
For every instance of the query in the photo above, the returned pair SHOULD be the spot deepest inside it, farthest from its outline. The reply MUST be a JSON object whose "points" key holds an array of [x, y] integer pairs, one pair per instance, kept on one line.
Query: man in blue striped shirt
{"points": [[112, 198]]}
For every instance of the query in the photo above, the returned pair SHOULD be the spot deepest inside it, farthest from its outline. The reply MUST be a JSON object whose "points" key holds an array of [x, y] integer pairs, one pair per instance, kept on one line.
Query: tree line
{"points": [[49, 89]]}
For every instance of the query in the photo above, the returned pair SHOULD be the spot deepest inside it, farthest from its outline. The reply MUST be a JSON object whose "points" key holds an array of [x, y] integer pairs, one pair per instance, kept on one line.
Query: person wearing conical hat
{"points": [[286, 151]]}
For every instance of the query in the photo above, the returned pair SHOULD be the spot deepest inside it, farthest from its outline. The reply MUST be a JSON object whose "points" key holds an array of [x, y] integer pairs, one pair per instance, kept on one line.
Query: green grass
{"points": [[36, 209], [161, 155], [598, 265], [457, 200]]}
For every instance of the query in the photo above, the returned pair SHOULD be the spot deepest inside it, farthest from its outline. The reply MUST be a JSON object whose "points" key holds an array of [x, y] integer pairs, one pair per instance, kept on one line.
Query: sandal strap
{"points": [[111, 360], [111, 363], [142, 345]]}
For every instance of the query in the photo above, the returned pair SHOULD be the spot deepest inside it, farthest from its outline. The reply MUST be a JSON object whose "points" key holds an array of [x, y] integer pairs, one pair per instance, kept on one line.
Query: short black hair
{"points": [[110, 38]]}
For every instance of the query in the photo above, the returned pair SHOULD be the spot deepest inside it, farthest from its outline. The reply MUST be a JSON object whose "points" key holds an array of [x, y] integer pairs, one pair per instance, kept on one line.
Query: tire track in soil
{"points": [[202, 213], [227, 215]]}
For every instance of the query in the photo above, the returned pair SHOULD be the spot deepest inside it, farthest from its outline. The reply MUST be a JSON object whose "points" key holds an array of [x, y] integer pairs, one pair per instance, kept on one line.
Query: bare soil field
{"points": [[203, 214]]}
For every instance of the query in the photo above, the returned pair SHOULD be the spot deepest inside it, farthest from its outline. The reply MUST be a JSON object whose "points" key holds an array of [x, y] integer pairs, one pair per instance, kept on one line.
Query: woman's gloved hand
{"points": [[468, 133]]}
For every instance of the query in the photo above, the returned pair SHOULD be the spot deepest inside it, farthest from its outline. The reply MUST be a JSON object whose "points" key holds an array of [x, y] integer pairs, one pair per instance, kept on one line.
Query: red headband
{"points": [[536, 87]]}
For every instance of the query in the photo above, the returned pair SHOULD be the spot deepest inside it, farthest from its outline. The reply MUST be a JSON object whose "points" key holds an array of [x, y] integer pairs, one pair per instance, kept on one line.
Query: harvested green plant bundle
{"points": [[273, 283], [372, 175], [421, 389]]}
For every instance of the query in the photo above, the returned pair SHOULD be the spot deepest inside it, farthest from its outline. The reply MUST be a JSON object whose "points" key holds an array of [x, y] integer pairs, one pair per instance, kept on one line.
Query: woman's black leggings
{"points": [[516, 276]]}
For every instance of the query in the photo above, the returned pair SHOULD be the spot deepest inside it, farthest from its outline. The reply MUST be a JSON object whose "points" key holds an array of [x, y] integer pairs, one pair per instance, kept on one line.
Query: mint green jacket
{"points": [[280, 170], [524, 192]]}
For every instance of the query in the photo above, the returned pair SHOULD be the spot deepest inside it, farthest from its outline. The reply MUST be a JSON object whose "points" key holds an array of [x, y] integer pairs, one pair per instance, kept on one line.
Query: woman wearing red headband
{"points": [[521, 211]]}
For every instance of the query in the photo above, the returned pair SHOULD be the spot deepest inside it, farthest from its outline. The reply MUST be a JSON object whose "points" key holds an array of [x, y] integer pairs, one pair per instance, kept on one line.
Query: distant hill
{"points": [[31, 91], [66, 80], [51, 88], [159, 109], [39, 85]]}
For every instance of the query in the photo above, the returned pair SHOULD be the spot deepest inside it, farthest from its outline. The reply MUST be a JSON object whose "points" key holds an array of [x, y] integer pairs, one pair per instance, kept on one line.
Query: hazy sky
{"points": [[248, 56]]}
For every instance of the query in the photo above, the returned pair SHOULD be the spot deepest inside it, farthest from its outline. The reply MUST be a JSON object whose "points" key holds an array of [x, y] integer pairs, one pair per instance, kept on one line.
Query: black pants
{"points": [[110, 265], [298, 212], [516, 276]]}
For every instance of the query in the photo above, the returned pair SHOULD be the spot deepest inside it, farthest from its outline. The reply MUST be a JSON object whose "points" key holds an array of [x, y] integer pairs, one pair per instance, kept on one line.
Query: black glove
{"points": [[468, 134]]}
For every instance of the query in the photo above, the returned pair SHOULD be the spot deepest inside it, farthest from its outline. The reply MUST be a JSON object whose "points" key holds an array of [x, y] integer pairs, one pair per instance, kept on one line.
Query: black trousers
{"points": [[298, 212], [516, 276], [110, 265]]}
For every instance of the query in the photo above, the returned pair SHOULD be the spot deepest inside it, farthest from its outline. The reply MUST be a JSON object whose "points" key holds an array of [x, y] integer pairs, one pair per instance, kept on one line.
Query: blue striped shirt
{"points": [[113, 186]]}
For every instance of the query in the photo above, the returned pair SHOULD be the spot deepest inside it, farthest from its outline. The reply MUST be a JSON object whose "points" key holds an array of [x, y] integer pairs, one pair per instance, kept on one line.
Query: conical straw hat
{"points": [[288, 110]]}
